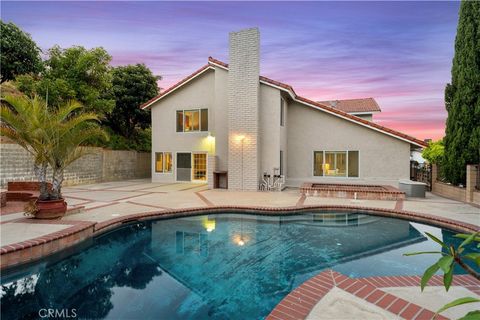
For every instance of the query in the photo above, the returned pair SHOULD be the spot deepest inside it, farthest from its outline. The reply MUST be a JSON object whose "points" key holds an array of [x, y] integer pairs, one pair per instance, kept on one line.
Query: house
{"points": [[227, 118]]}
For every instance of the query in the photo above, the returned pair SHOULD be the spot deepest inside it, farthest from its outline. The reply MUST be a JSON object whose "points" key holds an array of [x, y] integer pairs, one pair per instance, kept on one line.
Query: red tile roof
{"points": [[354, 105], [319, 105]]}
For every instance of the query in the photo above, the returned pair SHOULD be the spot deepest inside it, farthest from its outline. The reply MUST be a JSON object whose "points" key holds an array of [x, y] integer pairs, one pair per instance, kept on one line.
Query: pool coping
{"points": [[300, 302], [34, 249]]}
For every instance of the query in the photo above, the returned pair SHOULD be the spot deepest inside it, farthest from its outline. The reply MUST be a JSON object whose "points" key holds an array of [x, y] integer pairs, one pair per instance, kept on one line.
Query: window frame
{"points": [[347, 151], [282, 112], [163, 153], [200, 127]]}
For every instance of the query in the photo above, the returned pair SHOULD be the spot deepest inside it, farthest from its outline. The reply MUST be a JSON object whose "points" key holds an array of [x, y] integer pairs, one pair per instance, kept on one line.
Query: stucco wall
{"points": [[383, 159], [269, 129], [103, 165], [199, 93]]}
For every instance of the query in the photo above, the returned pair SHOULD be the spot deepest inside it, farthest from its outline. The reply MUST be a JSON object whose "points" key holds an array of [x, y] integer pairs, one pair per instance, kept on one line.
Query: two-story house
{"points": [[229, 118]]}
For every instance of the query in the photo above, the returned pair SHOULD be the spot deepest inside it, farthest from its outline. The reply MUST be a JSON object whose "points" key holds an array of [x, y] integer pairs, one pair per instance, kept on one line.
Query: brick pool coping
{"points": [[302, 300], [34, 249]]}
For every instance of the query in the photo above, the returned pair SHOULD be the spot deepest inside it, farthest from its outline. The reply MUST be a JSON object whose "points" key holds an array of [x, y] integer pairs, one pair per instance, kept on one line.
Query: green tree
{"points": [[23, 121], [462, 97], [132, 86], [74, 74], [20, 54], [68, 130], [434, 152]]}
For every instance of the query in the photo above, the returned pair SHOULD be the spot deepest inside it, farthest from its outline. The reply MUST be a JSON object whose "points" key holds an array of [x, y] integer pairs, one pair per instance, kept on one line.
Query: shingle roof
{"points": [[318, 105], [354, 105]]}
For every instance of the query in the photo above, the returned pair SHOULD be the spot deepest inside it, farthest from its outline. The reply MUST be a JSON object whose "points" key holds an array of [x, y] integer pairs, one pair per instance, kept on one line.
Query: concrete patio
{"points": [[105, 201]]}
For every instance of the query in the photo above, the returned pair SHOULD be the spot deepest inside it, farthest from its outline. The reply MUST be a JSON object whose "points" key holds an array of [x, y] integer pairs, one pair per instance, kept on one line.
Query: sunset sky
{"points": [[400, 53]]}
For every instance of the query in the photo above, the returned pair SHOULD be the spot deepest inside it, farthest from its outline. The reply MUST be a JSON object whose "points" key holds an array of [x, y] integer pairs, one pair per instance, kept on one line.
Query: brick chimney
{"points": [[243, 115]]}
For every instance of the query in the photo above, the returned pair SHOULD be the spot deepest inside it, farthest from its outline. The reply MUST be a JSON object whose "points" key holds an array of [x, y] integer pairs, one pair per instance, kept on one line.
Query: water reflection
{"points": [[200, 267]]}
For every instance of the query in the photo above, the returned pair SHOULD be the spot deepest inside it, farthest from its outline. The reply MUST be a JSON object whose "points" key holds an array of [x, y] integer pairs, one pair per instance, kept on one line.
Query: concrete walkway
{"points": [[104, 201]]}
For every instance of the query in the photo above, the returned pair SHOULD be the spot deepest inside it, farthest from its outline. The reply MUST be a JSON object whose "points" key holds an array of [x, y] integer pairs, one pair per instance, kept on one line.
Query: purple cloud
{"points": [[398, 52]]}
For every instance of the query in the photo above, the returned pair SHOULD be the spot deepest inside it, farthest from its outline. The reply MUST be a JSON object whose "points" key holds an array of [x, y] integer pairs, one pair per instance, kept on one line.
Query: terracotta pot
{"points": [[50, 209]]}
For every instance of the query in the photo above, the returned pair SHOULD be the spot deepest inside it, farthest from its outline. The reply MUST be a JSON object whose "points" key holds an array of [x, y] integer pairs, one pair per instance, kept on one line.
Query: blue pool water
{"points": [[220, 266]]}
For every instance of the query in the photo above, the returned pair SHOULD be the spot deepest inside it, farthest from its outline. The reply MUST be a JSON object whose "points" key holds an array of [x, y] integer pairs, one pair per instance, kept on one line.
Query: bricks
{"points": [[243, 114]]}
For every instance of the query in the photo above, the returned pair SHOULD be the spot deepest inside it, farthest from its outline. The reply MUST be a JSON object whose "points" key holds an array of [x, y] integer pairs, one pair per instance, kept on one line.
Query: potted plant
{"points": [[54, 137]]}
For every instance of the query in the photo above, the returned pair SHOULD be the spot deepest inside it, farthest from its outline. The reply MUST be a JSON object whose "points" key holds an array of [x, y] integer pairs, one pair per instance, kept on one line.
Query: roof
{"points": [[365, 105], [212, 63]]}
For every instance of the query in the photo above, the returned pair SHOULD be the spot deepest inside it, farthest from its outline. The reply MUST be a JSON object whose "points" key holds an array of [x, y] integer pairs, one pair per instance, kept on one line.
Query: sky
{"points": [[400, 53]]}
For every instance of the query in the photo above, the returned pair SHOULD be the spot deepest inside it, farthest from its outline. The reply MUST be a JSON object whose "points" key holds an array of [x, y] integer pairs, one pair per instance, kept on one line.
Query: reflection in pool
{"points": [[220, 266]]}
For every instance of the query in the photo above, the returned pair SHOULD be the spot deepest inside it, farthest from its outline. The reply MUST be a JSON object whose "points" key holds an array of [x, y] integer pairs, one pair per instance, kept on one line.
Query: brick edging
{"points": [[300, 302]]}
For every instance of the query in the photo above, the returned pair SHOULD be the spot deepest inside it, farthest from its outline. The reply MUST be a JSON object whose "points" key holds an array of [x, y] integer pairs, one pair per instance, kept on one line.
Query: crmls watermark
{"points": [[57, 313]]}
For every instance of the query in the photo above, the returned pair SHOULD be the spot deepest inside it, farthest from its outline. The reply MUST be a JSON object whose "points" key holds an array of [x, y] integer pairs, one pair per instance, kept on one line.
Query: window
{"points": [[282, 112], [336, 163], [163, 162], [194, 120]]}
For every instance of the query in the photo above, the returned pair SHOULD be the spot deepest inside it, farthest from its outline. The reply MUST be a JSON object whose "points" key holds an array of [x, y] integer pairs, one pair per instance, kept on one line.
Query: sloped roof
{"points": [[212, 63], [354, 105]]}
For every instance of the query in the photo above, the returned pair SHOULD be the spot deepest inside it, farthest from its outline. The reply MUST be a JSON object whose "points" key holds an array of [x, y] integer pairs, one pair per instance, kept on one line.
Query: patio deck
{"points": [[107, 204]]}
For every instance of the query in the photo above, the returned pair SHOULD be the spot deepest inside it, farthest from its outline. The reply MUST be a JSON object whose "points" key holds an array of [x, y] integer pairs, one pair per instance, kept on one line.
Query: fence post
{"points": [[471, 181]]}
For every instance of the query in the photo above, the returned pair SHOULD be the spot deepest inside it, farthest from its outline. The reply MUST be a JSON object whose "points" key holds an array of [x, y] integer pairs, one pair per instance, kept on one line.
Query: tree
{"points": [[23, 121], [68, 129], [132, 86], [434, 152], [462, 97], [73, 74], [20, 54]]}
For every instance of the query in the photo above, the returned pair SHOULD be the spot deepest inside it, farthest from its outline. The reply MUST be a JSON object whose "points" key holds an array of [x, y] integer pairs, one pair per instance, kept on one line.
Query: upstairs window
{"points": [[193, 120], [282, 112]]}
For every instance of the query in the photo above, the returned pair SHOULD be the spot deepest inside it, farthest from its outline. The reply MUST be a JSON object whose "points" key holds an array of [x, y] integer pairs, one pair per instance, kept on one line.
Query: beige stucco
{"points": [[198, 93], [383, 159]]}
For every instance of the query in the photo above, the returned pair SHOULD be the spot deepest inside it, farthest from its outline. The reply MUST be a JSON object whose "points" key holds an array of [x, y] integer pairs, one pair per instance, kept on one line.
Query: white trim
{"points": [[363, 112], [179, 86], [292, 95], [218, 65]]}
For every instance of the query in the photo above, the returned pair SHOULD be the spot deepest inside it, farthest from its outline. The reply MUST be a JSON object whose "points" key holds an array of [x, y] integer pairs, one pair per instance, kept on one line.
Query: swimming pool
{"points": [[217, 266]]}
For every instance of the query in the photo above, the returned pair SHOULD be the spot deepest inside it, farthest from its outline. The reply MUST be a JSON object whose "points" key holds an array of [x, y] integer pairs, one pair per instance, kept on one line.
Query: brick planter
{"points": [[352, 191]]}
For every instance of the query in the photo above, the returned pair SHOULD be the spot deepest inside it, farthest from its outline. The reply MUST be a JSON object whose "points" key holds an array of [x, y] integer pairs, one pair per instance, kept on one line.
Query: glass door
{"points": [[184, 166], [199, 172]]}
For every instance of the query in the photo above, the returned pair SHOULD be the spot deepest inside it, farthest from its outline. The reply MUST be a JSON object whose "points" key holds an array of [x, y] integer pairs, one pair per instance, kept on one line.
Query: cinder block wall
{"points": [[243, 96], [16, 164]]}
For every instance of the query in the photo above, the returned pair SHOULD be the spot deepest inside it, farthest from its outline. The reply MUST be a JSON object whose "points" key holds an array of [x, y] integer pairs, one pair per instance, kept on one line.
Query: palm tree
{"points": [[68, 130], [53, 137], [23, 121]]}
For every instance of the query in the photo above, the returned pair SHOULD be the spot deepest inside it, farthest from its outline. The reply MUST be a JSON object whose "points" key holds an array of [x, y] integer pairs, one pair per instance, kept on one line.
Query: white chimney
{"points": [[243, 115]]}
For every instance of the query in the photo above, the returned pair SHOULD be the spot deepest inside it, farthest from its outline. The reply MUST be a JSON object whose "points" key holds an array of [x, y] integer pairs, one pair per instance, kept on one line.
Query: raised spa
{"points": [[219, 266]]}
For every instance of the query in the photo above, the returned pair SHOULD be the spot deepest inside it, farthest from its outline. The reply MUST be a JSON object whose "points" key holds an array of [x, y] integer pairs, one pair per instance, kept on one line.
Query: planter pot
{"points": [[50, 209]]}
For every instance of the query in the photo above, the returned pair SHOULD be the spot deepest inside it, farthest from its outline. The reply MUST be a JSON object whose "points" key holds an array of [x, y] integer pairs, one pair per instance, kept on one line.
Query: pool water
{"points": [[219, 266]]}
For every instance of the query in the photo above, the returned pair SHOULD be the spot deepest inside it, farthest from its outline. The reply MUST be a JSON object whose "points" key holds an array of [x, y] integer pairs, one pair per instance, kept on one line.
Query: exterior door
{"points": [[184, 166], [199, 172]]}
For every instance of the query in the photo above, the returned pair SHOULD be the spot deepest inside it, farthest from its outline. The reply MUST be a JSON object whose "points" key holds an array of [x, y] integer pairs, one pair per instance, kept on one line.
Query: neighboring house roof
{"points": [[212, 63], [365, 105]]}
